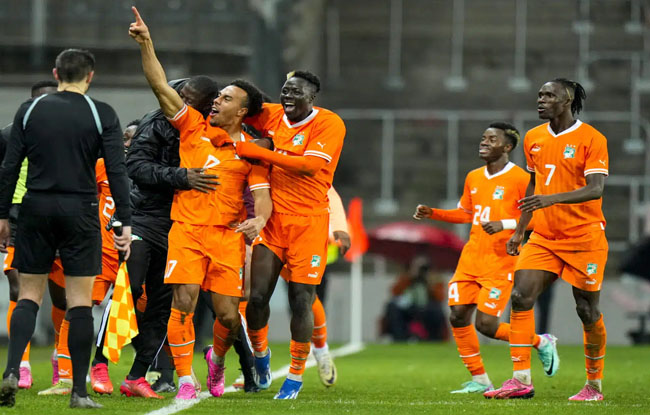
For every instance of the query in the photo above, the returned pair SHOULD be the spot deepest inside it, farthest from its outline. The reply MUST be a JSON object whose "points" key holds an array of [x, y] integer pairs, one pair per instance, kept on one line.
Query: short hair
{"points": [[43, 84], [509, 131], [177, 84], [307, 76], [206, 87], [255, 98], [73, 65], [135, 122], [575, 91]]}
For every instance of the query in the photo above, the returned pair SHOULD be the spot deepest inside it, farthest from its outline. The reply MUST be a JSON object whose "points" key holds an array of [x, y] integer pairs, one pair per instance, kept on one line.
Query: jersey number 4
{"points": [[453, 292], [481, 214]]}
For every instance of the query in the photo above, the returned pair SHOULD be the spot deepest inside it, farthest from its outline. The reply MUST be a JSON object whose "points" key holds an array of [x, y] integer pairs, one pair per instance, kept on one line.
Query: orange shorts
{"points": [[103, 282], [56, 274], [301, 244], [9, 258], [210, 256], [580, 262], [490, 294]]}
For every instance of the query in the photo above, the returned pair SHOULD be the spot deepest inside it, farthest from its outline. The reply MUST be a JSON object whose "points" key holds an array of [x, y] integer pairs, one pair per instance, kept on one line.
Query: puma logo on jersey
{"points": [[321, 145], [205, 139], [602, 162], [211, 161], [473, 191], [313, 275], [490, 305], [535, 149]]}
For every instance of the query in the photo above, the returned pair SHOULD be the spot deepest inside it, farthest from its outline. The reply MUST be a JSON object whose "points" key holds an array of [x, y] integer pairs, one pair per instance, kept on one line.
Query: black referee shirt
{"points": [[62, 143]]}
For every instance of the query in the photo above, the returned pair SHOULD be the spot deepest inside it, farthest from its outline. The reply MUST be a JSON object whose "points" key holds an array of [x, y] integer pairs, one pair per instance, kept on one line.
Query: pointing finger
{"points": [[138, 19]]}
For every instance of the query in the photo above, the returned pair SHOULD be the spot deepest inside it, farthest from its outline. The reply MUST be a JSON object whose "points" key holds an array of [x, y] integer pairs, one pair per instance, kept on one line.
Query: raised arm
{"points": [[170, 101]]}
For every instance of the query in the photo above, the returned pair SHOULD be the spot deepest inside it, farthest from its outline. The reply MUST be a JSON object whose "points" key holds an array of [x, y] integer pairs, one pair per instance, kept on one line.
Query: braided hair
{"points": [[574, 91], [510, 132]]}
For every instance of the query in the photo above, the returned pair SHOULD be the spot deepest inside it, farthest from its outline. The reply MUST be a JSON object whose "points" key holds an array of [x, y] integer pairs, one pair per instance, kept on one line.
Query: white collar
{"points": [[310, 117], [509, 165], [571, 129]]}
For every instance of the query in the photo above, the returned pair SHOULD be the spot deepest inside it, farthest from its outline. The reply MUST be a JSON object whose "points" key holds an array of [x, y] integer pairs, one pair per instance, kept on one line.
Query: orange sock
{"points": [[299, 353], [595, 340], [63, 353], [522, 334], [58, 316], [319, 334], [503, 333], [469, 349], [242, 308], [259, 339], [221, 339], [180, 334], [10, 311]]}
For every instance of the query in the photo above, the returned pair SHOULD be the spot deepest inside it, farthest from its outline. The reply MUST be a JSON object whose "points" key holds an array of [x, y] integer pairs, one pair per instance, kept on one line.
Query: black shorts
{"points": [[13, 222], [76, 235]]}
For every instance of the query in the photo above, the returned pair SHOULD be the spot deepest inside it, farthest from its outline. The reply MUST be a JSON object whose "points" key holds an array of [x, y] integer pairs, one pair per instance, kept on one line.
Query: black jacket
{"points": [[153, 164]]}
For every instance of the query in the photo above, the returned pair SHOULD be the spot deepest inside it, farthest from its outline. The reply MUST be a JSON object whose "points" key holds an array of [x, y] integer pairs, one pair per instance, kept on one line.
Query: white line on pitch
{"points": [[180, 405]]}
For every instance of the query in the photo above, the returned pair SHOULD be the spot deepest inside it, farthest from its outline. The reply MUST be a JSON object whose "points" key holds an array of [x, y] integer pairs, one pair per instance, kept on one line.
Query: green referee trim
{"points": [[21, 184]]}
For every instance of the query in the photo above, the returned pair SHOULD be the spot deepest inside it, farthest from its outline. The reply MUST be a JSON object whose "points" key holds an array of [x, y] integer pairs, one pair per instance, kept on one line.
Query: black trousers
{"points": [[146, 265]]}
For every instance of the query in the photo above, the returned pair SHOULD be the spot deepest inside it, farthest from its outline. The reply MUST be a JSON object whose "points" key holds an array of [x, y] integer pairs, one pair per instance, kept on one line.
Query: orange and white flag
{"points": [[122, 325]]}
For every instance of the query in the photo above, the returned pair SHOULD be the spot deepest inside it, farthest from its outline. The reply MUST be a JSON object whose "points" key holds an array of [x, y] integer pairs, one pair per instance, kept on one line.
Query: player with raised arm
{"points": [[568, 162], [308, 142], [206, 241], [484, 276]]}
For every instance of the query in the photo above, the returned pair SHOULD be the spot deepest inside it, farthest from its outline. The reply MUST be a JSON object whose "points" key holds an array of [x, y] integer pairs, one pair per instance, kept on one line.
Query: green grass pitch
{"points": [[386, 379]]}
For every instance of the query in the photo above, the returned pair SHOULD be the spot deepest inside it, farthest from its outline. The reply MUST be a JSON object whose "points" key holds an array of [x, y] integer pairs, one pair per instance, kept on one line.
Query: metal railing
{"points": [[387, 204]]}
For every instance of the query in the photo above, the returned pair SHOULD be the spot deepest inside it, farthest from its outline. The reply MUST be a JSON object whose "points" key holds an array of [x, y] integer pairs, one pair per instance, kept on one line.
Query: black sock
{"points": [[80, 343], [23, 321], [138, 369], [242, 348], [99, 355]]}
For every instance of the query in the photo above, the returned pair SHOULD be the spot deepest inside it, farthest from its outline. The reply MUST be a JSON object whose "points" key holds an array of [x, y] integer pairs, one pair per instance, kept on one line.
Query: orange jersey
{"points": [[106, 207], [491, 198], [225, 205], [560, 163], [321, 134]]}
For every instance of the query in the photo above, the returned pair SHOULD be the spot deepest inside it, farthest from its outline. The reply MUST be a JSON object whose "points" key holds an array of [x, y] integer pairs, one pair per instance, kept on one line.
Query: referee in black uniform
{"points": [[62, 135]]}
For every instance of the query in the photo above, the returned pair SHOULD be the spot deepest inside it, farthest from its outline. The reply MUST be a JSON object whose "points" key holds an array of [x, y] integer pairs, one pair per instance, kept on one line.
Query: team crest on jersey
{"points": [[495, 293], [569, 151], [241, 273], [315, 261], [592, 268], [298, 139], [499, 191]]}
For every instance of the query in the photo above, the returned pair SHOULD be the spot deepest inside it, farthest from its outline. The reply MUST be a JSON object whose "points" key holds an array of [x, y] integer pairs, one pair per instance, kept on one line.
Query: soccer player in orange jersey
{"points": [[484, 276], [568, 162], [308, 142], [206, 241]]}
